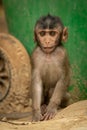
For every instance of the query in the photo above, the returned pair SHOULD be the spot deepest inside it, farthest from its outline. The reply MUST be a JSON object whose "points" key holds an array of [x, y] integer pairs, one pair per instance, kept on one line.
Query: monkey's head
{"points": [[49, 33]]}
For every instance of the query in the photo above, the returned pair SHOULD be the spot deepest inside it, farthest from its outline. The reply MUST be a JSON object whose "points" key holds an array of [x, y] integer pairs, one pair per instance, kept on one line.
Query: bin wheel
{"points": [[15, 72], [4, 77]]}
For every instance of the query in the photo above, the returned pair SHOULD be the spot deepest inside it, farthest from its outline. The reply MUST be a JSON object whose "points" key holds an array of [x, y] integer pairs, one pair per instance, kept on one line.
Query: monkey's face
{"points": [[49, 33], [48, 39]]}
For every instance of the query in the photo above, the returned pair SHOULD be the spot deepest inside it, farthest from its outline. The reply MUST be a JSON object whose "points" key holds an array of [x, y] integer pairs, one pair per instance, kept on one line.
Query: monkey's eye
{"points": [[52, 33], [42, 33]]}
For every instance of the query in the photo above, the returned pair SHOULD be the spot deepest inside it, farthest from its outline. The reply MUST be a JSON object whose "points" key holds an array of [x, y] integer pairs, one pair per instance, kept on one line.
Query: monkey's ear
{"points": [[65, 34]]}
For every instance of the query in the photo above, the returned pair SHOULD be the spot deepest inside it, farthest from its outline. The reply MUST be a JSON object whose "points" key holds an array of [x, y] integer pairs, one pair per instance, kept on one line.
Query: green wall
{"points": [[22, 15]]}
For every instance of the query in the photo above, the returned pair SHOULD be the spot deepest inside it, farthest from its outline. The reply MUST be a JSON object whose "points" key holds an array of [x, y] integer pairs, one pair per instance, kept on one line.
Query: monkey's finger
{"points": [[43, 109], [52, 115], [46, 117], [42, 118]]}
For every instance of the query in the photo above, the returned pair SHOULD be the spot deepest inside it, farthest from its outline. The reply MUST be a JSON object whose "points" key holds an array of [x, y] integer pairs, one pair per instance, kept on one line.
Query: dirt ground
{"points": [[74, 117]]}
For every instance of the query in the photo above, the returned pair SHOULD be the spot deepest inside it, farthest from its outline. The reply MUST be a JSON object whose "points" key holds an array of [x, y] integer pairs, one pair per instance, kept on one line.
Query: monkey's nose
{"points": [[47, 42]]}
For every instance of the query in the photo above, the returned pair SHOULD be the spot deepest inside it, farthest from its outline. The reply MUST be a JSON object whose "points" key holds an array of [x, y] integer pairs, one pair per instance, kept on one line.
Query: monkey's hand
{"points": [[36, 116], [50, 113]]}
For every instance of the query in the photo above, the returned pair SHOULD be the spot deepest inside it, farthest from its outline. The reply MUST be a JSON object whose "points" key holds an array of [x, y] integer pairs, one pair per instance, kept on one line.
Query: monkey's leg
{"points": [[65, 100], [55, 100]]}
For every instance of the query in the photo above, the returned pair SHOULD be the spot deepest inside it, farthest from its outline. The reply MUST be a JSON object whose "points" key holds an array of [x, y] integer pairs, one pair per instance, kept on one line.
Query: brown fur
{"points": [[50, 75]]}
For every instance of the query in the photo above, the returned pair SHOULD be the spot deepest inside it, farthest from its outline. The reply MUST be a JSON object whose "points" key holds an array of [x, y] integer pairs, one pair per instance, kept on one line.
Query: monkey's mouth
{"points": [[52, 47], [48, 49]]}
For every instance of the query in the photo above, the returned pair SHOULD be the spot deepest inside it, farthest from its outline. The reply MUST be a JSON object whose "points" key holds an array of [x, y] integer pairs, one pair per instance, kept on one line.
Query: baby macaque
{"points": [[51, 69]]}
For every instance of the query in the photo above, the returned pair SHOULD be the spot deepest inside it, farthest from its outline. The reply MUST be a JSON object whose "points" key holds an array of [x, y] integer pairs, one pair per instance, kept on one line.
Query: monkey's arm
{"points": [[15, 115], [58, 93], [55, 100], [36, 95]]}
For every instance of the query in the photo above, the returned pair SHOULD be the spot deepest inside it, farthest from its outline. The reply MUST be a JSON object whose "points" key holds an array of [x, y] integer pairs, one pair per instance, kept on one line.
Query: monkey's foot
{"points": [[50, 113]]}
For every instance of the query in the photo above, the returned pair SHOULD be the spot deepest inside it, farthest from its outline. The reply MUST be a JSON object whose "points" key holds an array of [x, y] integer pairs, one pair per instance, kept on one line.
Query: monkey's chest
{"points": [[50, 74]]}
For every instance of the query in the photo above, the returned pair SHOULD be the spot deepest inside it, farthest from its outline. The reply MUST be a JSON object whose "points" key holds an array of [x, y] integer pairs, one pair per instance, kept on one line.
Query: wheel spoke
{"points": [[3, 75], [4, 78]]}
